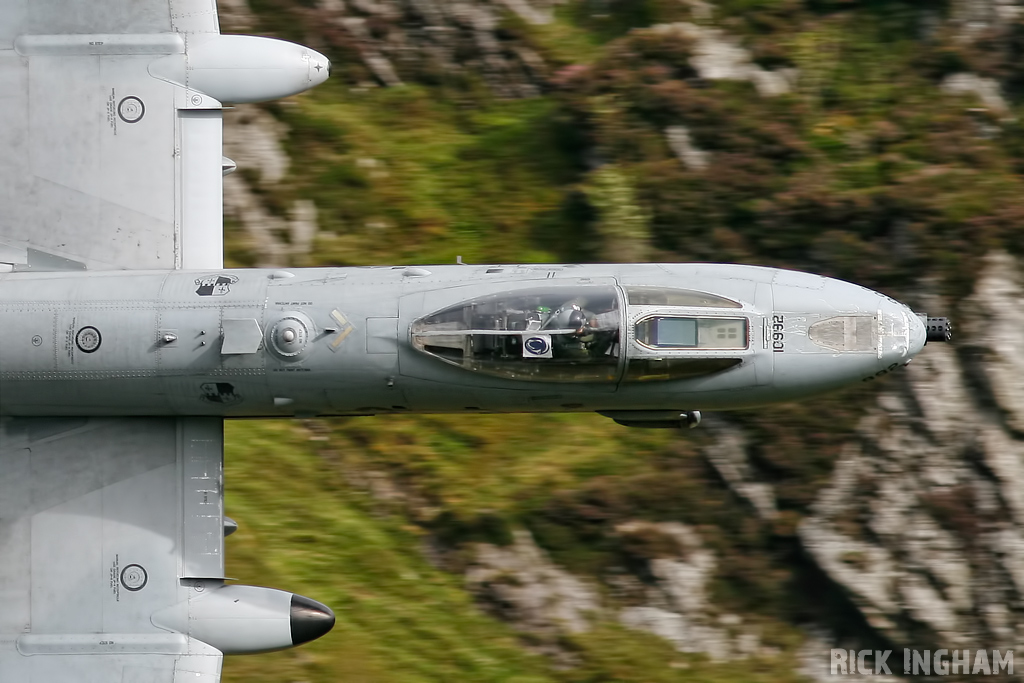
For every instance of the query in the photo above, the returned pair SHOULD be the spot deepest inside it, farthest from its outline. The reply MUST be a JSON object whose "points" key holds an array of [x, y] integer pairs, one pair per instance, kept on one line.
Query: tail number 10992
{"points": [[778, 333]]}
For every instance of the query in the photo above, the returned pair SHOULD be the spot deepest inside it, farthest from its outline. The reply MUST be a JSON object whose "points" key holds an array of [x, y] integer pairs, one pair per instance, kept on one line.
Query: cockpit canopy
{"points": [[554, 334], [575, 334]]}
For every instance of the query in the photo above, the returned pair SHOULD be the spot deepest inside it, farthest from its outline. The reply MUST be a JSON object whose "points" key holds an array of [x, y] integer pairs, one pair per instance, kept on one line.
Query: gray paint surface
{"points": [[247, 343], [92, 524], [102, 521]]}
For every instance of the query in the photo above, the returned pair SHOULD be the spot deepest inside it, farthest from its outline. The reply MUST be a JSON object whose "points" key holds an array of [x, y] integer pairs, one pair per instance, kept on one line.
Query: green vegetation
{"points": [[863, 171], [314, 520], [399, 176], [304, 528]]}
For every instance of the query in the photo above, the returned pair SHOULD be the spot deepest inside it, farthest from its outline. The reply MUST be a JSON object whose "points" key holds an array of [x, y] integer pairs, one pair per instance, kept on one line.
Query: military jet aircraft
{"points": [[124, 343], [644, 344]]}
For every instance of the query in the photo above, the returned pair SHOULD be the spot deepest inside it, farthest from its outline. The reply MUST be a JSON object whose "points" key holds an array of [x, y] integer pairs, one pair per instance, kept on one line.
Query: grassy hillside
{"points": [[310, 524], [399, 619]]}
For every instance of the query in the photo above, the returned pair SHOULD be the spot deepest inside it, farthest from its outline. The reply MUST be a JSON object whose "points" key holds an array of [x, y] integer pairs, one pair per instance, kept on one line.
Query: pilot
{"points": [[592, 336]]}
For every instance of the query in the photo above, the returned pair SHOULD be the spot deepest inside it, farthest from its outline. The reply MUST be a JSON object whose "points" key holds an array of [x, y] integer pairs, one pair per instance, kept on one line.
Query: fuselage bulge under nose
{"points": [[505, 338]]}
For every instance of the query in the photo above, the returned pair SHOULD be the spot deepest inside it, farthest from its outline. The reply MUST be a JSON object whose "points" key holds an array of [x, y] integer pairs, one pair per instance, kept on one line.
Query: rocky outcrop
{"points": [[719, 56], [431, 40], [521, 584], [921, 526], [922, 523], [728, 454], [987, 90], [973, 18], [675, 604], [252, 139], [428, 39], [678, 138]]}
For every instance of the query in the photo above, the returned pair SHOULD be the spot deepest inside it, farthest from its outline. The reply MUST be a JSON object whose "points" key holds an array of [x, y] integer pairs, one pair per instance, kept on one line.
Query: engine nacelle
{"points": [[246, 619], [239, 69]]}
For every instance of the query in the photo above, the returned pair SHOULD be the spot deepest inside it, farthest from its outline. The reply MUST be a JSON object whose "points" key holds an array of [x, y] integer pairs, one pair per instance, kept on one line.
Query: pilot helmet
{"points": [[570, 316]]}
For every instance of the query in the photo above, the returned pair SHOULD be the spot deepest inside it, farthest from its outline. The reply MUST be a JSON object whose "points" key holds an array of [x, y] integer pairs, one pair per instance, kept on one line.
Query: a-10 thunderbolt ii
{"points": [[124, 343]]}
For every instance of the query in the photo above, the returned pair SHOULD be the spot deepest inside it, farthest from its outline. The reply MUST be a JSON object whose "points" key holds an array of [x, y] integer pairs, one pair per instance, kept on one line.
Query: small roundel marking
{"points": [[134, 577], [131, 109], [88, 339]]}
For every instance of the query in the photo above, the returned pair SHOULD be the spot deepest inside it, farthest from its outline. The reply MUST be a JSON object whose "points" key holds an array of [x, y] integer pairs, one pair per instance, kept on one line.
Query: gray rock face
{"points": [[525, 587], [447, 38], [973, 17], [987, 90], [728, 455], [718, 56], [676, 606], [921, 525], [252, 139], [521, 584], [678, 138]]}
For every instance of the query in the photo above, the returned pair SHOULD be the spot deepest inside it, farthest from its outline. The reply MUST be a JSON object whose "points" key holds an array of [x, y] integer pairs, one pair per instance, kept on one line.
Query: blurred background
{"points": [[875, 141]]}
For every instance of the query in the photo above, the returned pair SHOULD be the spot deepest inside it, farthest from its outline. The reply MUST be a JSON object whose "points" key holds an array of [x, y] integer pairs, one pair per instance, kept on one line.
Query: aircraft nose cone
{"points": [[309, 619], [319, 68], [903, 333]]}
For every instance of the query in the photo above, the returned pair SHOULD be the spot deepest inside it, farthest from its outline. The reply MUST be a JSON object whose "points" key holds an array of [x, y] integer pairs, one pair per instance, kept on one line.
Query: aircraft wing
{"points": [[105, 166], [112, 529], [104, 523]]}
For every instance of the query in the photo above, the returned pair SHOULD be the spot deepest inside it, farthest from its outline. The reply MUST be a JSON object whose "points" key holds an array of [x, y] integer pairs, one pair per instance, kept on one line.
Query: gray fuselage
{"points": [[356, 341]]}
